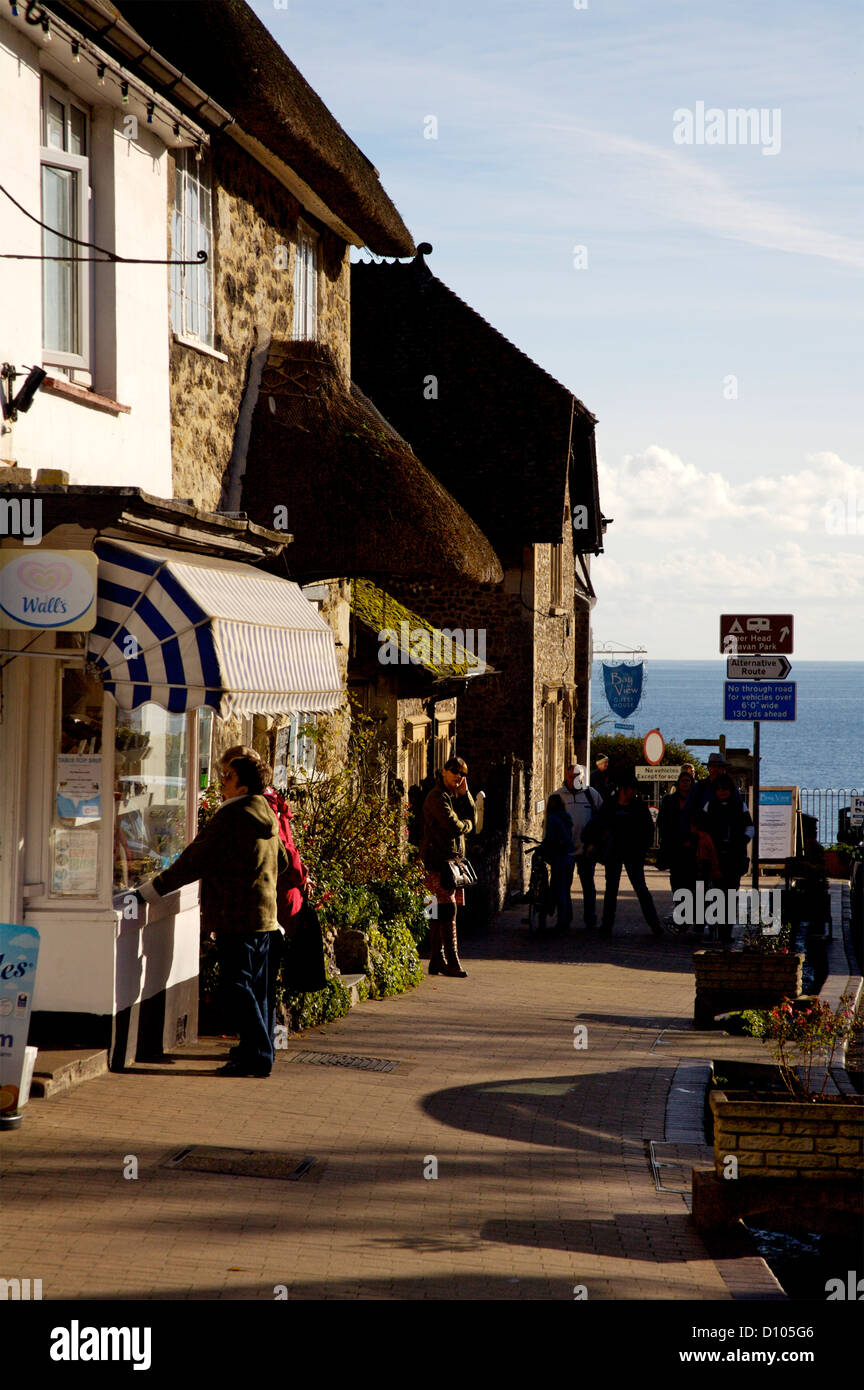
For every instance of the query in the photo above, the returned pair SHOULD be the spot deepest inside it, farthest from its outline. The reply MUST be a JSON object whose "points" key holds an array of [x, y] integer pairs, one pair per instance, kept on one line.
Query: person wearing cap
{"points": [[704, 791], [629, 834], [602, 781], [581, 804]]}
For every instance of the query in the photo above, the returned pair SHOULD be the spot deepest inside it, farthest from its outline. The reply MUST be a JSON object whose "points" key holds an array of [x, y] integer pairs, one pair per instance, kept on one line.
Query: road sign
{"points": [[626, 728], [746, 634], [759, 699], [653, 747], [668, 773], [856, 811], [757, 668]]}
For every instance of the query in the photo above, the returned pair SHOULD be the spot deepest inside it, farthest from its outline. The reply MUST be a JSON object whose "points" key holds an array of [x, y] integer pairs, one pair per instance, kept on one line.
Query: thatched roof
{"points": [[503, 435], [358, 501], [224, 48], [411, 639]]}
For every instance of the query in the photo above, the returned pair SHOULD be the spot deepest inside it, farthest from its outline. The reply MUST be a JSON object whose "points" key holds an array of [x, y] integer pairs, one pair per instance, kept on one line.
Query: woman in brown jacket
{"points": [[448, 816], [238, 857]]}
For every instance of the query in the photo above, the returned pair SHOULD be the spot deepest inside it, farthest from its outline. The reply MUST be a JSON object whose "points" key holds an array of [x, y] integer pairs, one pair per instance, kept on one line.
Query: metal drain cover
{"points": [[340, 1059], [242, 1163]]}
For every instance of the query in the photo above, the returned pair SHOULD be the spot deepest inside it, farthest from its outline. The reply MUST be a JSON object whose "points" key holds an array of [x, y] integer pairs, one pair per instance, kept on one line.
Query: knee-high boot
{"points": [[437, 961], [447, 920]]}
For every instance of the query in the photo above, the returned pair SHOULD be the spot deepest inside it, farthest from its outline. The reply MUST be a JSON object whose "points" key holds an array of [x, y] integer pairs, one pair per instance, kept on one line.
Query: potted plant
{"points": [[805, 1132], [762, 970]]}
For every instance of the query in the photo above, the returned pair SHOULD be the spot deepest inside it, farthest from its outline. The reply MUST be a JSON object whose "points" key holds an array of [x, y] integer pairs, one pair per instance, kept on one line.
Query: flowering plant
{"points": [[803, 1035]]}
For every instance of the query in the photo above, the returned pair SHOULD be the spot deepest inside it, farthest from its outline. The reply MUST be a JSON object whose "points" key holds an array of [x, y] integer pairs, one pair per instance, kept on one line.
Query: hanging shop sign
{"points": [[19, 949], [48, 589], [623, 687]]}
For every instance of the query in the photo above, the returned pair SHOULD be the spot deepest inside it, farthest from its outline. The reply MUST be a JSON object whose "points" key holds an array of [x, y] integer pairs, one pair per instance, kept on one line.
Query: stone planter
{"points": [[743, 979], [771, 1138]]}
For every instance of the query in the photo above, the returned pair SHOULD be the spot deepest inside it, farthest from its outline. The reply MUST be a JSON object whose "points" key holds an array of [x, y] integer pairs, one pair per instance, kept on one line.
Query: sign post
{"points": [[756, 645]]}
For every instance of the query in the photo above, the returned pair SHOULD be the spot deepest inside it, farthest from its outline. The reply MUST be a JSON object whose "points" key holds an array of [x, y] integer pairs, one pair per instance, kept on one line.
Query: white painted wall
{"points": [[129, 318]]}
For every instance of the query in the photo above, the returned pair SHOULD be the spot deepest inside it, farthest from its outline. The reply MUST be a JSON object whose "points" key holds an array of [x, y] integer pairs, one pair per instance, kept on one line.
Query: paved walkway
{"points": [[543, 1177]]}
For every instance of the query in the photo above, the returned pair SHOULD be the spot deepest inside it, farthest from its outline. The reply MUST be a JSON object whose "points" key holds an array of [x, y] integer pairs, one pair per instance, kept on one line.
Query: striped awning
{"points": [[185, 631]]}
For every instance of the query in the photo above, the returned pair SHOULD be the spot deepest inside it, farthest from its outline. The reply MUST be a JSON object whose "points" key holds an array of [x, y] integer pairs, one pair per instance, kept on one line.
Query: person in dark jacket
{"points": [[729, 824], [448, 816], [677, 844], [238, 857], [628, 835], [602, 780], [559, 852]]}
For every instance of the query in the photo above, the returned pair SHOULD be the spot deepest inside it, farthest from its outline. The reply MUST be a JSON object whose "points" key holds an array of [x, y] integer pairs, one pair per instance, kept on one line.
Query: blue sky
{"points": [[716, 327]]}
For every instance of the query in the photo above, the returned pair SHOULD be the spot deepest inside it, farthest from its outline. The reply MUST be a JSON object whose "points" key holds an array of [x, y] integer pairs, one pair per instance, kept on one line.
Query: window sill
{"points": [[199, 347], [57, 386]]}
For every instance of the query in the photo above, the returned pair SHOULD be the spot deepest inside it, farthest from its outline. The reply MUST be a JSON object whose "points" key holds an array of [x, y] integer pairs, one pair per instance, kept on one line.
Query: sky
{"points": [[701, 295]]}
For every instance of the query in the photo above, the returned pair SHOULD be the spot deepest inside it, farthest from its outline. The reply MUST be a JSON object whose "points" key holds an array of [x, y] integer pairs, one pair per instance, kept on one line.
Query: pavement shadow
{"points": [[584, 1113]]}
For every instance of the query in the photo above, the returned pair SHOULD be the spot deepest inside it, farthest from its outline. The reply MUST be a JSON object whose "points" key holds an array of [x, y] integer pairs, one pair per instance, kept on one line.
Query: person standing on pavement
{"points": [[448, 816], [677, 844], [582, 804], [238, 857], [730, 826], [602, 780], [558, 850], [629, 834]]}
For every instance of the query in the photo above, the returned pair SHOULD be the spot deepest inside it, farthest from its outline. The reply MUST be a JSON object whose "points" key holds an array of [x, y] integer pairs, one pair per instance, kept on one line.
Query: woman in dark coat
{"points": [[560, 854], [448, 816], [677, 842], [729, 824], [627, 834]]}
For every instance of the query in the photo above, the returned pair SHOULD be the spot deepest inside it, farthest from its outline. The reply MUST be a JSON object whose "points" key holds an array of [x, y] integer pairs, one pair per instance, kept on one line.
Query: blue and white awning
{"points": [[185, 630]]}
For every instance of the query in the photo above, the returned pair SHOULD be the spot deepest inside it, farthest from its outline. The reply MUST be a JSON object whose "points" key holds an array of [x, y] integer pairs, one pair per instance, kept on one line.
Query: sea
{"points": [[823, 747]]}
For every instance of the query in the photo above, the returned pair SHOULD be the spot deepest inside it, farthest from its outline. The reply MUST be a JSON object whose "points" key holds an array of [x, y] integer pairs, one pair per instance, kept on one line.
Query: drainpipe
{"points": [[237, 462]]}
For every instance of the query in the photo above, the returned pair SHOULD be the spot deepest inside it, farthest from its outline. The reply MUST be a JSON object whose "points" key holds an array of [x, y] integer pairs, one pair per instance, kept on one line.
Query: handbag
{"points": [[303, 967], [462, 873]]}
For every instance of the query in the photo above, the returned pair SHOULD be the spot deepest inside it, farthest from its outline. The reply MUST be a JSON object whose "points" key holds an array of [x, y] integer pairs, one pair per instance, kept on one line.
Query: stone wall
{"points": [[788, 1139], [253, 217]]}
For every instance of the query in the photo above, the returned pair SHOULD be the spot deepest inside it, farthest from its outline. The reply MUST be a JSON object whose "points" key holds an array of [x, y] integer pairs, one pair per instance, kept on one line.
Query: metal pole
{"points": [[755, 865]]}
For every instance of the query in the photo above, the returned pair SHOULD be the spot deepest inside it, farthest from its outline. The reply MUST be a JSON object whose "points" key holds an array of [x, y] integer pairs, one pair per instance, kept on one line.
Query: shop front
{"points": [[108, 710]]}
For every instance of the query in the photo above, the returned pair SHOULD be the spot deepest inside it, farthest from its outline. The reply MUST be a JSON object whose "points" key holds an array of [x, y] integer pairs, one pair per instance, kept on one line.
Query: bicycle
{"points": [[537, 896]]}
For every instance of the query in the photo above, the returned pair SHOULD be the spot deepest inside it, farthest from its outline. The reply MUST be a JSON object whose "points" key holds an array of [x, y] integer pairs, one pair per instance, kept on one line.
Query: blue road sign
{"points": [[759, 699], [628, 728]]}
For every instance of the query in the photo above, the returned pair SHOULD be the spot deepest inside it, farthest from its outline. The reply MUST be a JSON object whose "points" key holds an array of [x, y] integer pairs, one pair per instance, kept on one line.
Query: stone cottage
{"points": [[517, 450]]}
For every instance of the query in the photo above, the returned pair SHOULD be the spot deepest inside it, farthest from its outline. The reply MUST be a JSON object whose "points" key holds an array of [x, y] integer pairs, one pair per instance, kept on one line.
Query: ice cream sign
{"points": [[50, 589]]}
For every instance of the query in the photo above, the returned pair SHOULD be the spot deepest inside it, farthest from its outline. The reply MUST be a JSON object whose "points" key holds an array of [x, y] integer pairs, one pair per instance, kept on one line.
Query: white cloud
{"points": [[648, 491]]}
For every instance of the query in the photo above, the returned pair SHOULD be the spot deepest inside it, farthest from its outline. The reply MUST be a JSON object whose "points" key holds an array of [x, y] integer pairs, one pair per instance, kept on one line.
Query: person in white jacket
{"points": [[581, 803]]}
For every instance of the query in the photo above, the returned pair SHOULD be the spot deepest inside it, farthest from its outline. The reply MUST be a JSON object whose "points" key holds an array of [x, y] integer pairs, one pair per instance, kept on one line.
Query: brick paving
{"points": [[544, 1182]]}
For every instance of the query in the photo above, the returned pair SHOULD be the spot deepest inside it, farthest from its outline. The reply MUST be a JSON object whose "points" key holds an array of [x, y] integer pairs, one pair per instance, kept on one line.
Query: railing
{"points": [[827, 804]]}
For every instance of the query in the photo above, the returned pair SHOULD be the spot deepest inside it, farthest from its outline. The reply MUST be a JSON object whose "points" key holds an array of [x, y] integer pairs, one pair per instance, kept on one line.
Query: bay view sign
{"points": [[53, 589]]}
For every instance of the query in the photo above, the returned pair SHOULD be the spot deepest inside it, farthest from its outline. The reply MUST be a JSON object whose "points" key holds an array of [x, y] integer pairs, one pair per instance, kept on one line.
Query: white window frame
{"points": [[181, 283], [306, 283], [80, 164]]}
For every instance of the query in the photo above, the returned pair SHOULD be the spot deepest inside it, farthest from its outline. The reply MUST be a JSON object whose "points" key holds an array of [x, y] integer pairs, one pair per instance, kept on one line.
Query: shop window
{"points": [[77, 810], [443, 744], [65, 185], [150, 793], [296, 749], [191, 232], [416, 762]]}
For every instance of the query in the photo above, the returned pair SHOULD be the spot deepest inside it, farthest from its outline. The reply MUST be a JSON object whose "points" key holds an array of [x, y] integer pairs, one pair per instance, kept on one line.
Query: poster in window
{"points": [[79, 780], [75, 863]]}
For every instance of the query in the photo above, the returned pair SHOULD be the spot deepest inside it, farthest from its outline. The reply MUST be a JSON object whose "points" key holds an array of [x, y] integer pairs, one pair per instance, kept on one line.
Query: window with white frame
{"points": [[302, 745], [65, 200], [191, 232], [306, 285]]}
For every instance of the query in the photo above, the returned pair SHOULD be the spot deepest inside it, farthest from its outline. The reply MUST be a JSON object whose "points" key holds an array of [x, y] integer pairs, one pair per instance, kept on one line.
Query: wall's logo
{"points": [[54, 589]]}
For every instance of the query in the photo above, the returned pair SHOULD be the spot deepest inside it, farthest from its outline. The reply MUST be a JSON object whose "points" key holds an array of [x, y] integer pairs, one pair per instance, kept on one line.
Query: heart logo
{"points": [[44, 578]]}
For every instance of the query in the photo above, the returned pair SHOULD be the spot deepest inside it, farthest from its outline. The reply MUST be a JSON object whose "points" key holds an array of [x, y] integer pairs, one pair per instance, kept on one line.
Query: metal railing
{"points": [[828, 804]]}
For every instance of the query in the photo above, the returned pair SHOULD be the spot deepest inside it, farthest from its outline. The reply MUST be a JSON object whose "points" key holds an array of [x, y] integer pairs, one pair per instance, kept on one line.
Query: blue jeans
{"points": [[247, 976]]}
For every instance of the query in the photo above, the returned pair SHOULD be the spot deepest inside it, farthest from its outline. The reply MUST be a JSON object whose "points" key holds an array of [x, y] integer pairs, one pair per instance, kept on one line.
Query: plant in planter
{"points": [[763, 970], [804, 1036], [802, 1132]]}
